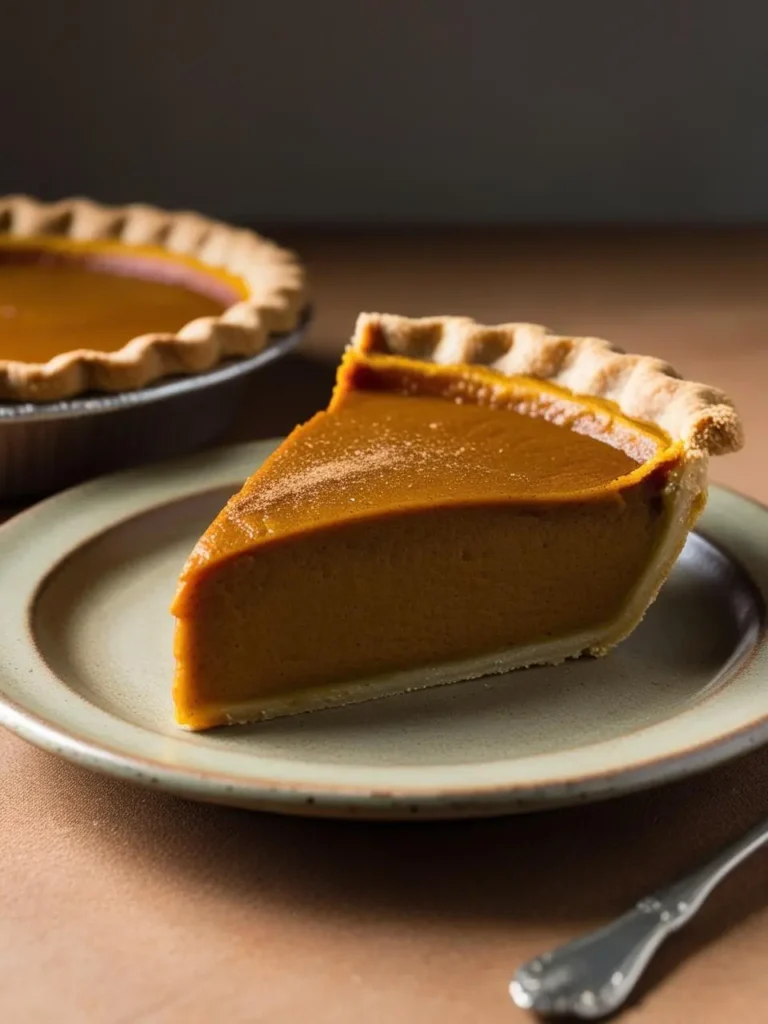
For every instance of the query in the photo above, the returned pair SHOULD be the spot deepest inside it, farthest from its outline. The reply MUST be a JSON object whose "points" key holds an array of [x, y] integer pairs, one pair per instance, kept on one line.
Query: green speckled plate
{"points": [[85, 671]]}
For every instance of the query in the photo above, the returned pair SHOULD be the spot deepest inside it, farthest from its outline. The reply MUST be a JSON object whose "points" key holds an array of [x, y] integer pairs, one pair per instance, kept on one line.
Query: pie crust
{"points": [[273, 280], [644, 388]]}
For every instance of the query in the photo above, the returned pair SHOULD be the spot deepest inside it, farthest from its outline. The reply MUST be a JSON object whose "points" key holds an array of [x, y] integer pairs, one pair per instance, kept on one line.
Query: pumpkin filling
{"points": [[59, 295], [424, 519]]}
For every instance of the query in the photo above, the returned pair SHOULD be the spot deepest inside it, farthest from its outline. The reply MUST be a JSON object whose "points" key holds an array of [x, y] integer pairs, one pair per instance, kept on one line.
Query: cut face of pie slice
{"points": [[96, 298], [473, 500]]}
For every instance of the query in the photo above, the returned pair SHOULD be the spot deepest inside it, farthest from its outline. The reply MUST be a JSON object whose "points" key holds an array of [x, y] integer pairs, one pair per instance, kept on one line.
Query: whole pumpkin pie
{"points": [[96, 298], [474, 499]]}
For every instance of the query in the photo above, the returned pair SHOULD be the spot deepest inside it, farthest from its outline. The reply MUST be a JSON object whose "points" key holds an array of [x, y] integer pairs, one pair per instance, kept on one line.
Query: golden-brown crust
{"points": [[642, 387], [273, 277]]}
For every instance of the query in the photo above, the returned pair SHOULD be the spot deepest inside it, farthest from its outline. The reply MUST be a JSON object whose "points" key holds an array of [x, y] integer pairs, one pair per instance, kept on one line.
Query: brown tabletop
{"points": [[119, 905]]}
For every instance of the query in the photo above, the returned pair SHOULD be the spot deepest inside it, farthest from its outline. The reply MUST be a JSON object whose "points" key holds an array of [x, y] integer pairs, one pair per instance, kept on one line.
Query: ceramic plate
{"points": [[85, 671]]}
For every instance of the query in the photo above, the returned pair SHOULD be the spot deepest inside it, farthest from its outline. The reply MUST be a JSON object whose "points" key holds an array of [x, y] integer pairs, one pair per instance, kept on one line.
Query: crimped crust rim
{"points": [[642, 387], [274, 304]]}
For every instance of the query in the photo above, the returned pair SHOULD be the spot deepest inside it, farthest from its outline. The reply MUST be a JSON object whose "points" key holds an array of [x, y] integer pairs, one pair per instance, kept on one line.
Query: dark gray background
{"points": [[392, 111]]}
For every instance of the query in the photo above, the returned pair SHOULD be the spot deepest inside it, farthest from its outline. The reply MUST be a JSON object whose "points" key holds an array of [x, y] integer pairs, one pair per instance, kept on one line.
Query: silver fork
{"points": [[593, 975]]}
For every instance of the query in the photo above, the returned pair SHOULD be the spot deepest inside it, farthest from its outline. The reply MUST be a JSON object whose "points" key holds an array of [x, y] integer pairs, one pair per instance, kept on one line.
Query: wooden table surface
{"points": [[119, 905]]}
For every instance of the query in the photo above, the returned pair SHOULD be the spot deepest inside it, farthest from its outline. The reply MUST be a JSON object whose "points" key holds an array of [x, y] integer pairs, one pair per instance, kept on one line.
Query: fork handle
{"points": [[593, 975]]}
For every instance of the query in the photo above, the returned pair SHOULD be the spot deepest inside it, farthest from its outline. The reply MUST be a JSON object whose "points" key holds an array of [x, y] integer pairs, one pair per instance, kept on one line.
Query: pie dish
{"points": [[474, 499], [110, 299]]}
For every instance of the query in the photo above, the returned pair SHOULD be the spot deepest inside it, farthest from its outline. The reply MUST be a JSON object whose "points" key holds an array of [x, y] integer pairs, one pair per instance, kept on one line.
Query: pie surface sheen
{"points": [[113, 298], [474, 499]]}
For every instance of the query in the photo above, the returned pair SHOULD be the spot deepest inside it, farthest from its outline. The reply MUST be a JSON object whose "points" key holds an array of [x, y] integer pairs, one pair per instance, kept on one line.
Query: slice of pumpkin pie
{"points": [[474, 499]]}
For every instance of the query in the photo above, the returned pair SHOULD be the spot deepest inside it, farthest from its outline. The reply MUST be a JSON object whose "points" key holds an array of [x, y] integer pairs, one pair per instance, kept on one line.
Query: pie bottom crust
{"points": [[685, 499]]}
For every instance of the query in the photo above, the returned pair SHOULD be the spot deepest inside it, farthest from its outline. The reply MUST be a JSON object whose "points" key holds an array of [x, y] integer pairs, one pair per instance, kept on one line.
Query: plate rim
{"points": [[182, 479]]}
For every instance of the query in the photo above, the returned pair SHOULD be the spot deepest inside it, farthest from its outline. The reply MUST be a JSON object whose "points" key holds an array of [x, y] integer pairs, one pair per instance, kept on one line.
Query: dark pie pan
{"points": [[45, 447]]}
